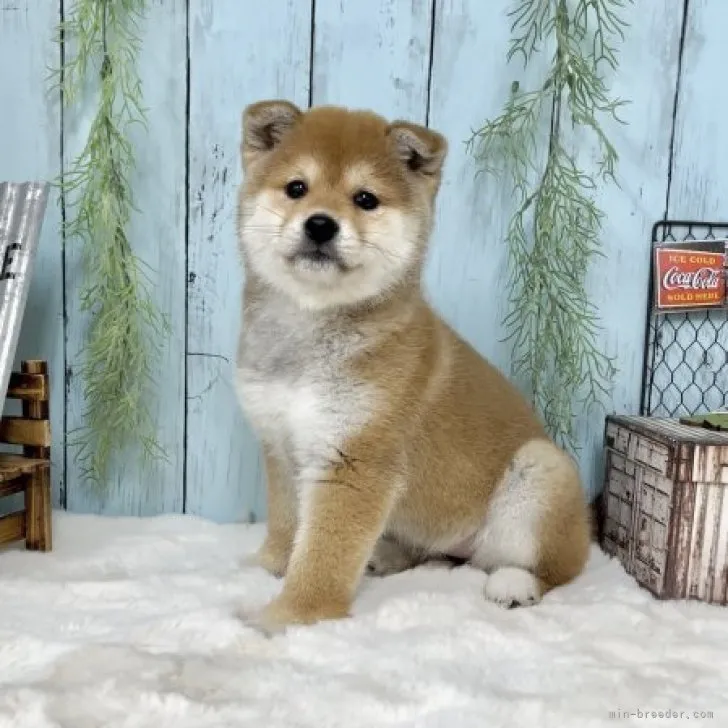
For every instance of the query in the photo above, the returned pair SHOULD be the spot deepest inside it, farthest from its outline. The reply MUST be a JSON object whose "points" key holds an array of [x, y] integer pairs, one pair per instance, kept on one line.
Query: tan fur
{"points": [[425, 448]]}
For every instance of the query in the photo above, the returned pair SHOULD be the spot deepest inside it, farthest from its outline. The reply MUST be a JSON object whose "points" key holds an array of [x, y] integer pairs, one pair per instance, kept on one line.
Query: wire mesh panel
{"points": [[686, 353]]}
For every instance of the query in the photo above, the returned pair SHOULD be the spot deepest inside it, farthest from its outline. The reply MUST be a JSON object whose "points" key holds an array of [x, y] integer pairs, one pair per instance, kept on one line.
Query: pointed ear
{"points": [[421, 149], [265, 123]]}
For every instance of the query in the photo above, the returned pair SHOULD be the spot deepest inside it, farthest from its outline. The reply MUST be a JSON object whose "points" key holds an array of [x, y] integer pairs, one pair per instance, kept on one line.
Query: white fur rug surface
{"points": [[131, 623]]}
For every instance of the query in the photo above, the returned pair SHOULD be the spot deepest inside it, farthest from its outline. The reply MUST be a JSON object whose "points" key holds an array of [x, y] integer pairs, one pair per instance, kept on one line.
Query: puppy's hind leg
{"points": [[390, 557], [536, 532]]}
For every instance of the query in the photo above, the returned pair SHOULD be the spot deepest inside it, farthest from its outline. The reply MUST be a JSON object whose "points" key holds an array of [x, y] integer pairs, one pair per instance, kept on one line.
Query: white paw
{"points": [[510, 587]]}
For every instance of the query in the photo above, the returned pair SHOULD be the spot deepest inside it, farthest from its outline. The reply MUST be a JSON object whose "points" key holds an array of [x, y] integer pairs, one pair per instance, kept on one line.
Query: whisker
{"points": [[274, 230], [272, 212], [382, 251]]}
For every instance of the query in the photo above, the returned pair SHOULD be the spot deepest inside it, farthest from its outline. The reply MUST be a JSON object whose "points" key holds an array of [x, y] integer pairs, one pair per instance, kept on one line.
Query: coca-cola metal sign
{"points": [[690, 275]]}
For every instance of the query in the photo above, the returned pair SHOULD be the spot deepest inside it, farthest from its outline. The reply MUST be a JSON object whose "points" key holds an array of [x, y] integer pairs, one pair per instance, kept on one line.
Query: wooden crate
{"points": [[664, 511], [28, 473]]}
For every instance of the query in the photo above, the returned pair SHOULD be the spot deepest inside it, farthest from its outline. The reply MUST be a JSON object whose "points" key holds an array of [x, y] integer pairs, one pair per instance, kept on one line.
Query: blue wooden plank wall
{"points": [[440, 62]]}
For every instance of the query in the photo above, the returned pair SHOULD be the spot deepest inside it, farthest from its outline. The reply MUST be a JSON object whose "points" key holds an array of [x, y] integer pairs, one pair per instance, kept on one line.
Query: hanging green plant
{"points": [[554, 236], [125, 327]]}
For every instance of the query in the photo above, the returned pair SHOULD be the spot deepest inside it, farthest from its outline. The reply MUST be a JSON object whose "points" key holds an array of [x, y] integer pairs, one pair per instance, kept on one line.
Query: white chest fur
{"points": [[305, 422], [298, 392]]}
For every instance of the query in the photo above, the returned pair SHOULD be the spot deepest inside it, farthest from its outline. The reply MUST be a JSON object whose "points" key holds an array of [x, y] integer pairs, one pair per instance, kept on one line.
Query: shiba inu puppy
{"points": [[387, 439]]}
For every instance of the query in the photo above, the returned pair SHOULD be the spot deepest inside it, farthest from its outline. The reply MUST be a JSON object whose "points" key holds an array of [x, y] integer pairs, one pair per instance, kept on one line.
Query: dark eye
{"points": [[296, 189], [366, 200]]}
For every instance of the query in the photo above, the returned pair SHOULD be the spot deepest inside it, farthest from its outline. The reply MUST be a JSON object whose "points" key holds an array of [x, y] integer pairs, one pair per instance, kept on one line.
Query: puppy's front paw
{"points": [[282, 613], [261, 621], [274, 560]]}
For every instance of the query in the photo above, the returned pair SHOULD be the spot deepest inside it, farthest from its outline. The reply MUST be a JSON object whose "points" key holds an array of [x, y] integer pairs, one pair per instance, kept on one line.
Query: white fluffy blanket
{"points": [[130, 623]]}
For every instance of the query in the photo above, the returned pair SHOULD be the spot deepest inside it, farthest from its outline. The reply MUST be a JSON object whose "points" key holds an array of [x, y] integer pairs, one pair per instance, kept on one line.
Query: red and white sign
{"points": [[689, 278]]}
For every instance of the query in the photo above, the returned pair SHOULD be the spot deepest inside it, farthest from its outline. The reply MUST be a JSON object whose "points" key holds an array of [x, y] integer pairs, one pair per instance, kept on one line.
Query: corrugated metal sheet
{"points": [[22, 209]]}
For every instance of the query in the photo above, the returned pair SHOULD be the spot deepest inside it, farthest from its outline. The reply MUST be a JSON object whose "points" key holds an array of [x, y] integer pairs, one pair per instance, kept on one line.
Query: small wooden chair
{"points": [[28, 473]]}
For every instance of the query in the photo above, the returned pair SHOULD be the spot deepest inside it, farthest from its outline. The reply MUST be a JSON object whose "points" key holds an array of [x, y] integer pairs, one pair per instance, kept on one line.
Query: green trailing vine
{"points": [[554, 236], [125, 327]]}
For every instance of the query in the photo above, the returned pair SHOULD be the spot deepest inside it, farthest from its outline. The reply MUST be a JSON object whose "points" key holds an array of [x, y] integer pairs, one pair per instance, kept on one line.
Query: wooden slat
{"points": [[36, 410], [12, 486], [698, 189], [19, 431], [38, 511], [15, 466], [12, 527], [224, 471], [32, 387], [160, 192]]}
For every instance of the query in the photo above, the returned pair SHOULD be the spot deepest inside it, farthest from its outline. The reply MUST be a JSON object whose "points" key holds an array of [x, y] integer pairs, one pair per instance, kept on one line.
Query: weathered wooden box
{"points": [[665, 506]]}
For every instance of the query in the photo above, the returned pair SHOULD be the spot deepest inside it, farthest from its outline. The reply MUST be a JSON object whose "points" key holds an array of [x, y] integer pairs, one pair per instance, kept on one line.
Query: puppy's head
{"points": [[337, 205]]}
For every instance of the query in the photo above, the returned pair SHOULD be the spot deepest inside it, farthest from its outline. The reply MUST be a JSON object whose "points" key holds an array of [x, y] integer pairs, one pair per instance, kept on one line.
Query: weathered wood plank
{"points": [[698, 191], [30, 387], [237, 55], [13, 466], [470, 83], [373, 55], [19, 431], [467, 278], [618, 283], [157, 233], [38, 535], [36, 409], [12, 487], [699, 179], [12, 527], [30, 150]]}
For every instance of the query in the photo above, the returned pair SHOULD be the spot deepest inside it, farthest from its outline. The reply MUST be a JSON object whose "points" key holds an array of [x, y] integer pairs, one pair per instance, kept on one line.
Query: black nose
{"points": [[321, 228]]}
